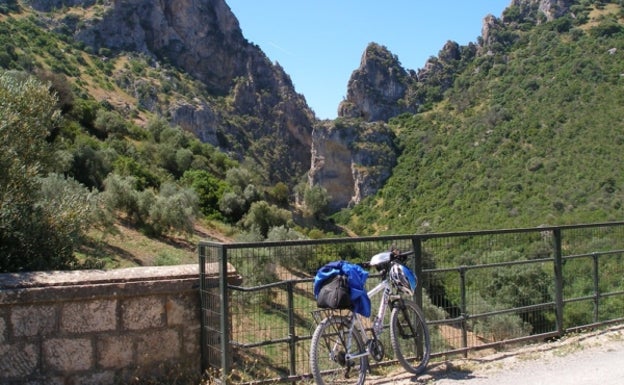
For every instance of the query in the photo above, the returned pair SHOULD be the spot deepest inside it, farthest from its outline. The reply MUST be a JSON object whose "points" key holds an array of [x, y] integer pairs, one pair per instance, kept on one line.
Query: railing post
{"points": [[225, 317], [292, 337], [417, 267], [202, 300], [558, 270], [464, 309], [596, 287]]}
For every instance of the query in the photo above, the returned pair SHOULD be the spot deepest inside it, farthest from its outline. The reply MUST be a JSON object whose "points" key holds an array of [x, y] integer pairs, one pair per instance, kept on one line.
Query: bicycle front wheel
{"points": [[409, 336], [331, 342]]}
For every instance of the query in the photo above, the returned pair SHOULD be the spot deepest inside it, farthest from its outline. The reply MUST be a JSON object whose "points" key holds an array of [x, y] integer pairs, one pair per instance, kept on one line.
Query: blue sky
{"points": [[319, 43]]}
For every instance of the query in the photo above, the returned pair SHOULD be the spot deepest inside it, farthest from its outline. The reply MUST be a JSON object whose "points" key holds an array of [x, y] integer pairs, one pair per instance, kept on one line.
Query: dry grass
{"points": [[596, 15], [128, 247]]}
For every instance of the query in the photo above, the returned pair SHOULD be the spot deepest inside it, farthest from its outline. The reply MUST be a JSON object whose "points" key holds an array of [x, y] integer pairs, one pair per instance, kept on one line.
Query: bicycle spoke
{"points": [[329, 349]]}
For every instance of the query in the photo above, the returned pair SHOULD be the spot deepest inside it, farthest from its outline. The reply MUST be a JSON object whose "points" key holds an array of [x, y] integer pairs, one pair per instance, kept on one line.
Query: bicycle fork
{"points": [[405, 325]]}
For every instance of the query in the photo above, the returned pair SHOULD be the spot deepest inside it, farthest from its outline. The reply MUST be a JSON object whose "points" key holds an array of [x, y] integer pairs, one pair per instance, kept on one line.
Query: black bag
{"points": [[335, 293]]}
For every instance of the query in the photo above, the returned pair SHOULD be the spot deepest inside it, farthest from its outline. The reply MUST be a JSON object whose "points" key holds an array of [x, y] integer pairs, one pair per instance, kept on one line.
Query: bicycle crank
{"points": [[376, 349]]}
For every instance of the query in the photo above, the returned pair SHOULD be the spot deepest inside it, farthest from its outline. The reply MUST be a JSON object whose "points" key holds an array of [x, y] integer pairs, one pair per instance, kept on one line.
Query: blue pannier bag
{"points": [[333, 297]]}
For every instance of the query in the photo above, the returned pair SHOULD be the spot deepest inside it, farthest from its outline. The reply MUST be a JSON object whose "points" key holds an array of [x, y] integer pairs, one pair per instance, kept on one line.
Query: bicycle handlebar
{"points": [[393, 257], [405, 254]]}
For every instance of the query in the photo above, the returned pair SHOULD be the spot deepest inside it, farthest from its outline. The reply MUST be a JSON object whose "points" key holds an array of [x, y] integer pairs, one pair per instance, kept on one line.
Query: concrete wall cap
{"points": [[95, 277]]}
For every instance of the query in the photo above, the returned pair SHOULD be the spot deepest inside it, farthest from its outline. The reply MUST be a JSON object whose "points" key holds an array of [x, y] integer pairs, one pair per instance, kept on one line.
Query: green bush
{"points": [[263, 216], [232, 206], [208, 188], [173, 209], [109, 123], [91, 166], [120, 194], [316, 200]]}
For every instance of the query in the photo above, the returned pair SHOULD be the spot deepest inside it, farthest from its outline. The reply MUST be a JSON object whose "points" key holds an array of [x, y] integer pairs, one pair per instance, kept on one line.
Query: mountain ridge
{"points": [[206, 78], [527, 135]]}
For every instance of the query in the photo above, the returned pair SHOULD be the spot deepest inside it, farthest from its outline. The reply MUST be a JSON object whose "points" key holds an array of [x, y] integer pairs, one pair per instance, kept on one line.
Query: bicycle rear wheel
{"points": [[328, 349], [409, 336]]}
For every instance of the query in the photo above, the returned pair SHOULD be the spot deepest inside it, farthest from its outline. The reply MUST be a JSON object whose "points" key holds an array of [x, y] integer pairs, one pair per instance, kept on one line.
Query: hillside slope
{"points": [[530, 133], [522, 128], [187, 62]]}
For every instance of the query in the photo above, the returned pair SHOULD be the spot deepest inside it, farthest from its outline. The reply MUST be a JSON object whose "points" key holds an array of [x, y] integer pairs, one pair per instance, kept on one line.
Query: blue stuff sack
{"points": [[354, 278]]}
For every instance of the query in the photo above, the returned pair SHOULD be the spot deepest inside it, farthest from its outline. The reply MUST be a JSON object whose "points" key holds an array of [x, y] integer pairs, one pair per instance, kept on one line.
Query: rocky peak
{"points": [[490, 23], [377, 90], [551, 9], [440, 70], [524, 10], [203, 39]]}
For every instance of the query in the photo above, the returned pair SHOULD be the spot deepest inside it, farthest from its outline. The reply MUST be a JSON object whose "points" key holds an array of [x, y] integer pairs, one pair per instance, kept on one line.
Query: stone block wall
{"points": [[99, 327]]}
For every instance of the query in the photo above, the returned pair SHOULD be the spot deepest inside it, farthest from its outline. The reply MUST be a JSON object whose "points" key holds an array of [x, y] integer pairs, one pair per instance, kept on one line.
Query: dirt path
{"points": [[589, 358]]}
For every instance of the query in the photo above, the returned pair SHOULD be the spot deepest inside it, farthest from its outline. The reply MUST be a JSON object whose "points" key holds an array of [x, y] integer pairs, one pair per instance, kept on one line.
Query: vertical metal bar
{"points": [[201, 251], [596, 287], [464, 307], [558, 271], [292, 337], [225, 318], [417, 266]]}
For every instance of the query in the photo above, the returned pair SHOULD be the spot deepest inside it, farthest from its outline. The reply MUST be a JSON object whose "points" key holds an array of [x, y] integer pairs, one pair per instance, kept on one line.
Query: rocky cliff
{"points": [[522, 11], [203, 39], [267, 120], [377, 90], [351, 159], [381, 88]]}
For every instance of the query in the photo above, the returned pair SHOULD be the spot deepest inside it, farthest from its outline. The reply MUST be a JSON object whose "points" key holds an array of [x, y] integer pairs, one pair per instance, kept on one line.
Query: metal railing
{"points": [[478, 289]]}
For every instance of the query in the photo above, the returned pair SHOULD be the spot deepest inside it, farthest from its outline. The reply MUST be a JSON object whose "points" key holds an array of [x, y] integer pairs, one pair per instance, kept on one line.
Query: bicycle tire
{"points": [[328, 349], [409, 336]]}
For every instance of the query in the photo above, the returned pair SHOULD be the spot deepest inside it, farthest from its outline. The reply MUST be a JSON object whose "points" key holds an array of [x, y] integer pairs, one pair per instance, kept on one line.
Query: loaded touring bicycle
{"points": [[342, 344]]}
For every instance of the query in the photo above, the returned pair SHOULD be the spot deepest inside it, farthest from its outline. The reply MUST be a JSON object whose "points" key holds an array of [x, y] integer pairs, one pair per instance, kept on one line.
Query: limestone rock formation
{"points": [[551, 9], [377, 90], [536, 11], [204, 40], [351, 159]]}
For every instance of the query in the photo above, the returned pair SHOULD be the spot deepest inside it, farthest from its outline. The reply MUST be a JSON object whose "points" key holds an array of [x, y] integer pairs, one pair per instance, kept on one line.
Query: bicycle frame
{"points": [[356, 321]]}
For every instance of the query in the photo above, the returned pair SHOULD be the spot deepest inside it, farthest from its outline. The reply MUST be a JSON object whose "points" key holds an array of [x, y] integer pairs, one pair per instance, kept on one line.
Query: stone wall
{"points": [[99, 327]]}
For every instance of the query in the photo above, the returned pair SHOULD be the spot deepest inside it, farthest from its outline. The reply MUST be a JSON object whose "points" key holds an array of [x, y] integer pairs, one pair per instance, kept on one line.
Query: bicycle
{"points": [[341, 344]]}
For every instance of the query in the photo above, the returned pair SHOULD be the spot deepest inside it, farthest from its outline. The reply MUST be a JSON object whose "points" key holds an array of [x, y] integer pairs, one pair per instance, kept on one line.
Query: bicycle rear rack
{"points": [[320, 314]]}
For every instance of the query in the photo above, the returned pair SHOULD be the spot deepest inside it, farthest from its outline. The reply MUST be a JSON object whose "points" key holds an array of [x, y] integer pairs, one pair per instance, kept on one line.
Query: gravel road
{"points": [[589, 358]]}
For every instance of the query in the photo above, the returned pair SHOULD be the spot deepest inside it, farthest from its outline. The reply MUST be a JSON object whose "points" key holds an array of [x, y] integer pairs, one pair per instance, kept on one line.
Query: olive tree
{"points": [[42, 218], [262, 216]]}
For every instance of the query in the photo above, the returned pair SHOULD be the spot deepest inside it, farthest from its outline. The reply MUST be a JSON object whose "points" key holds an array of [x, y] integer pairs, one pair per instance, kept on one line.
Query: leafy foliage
{"points": [[263, 216], [92, 119], [527, 135], [519, 133], [208, 188], [316, 200], [42, 219]]}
